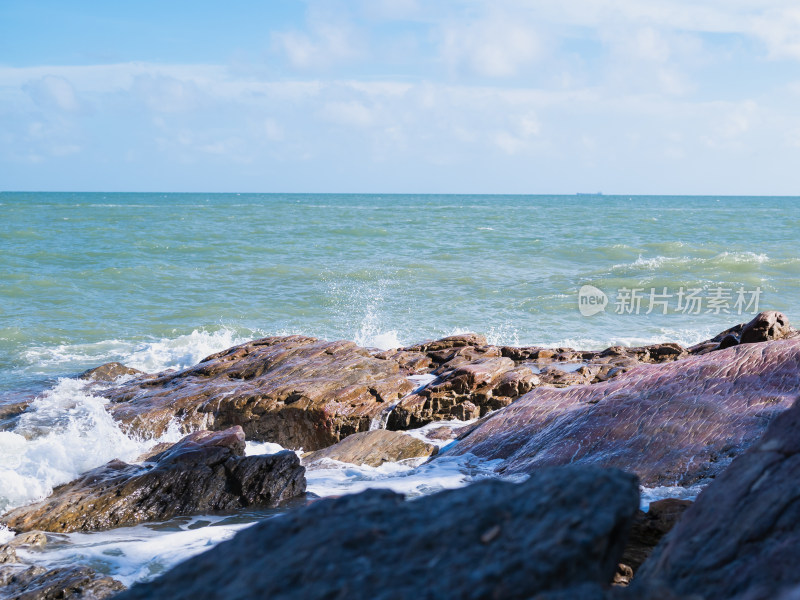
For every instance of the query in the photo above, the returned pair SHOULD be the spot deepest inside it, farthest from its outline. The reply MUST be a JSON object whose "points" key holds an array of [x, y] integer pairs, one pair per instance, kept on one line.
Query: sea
{"points": [[160, 281]]}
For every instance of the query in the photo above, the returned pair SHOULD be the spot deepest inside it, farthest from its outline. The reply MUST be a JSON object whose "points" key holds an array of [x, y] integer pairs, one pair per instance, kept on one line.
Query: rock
{"points": [[109, 372], [468, 387], [442, 433], [648, 529], [12, 405], [296, 391], [31, 539], [8, 554], [741, 537], [492, 539], [204, 472], [673, 423], [374, 448], [766, 326], [154, 451], [67, 583]]}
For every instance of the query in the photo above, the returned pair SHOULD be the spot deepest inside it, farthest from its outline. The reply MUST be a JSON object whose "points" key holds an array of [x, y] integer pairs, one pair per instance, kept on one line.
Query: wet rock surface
{"points": [[373, 448], [493, 539], [741, 538], [307, 393], [22, 582], [204, 472], [109, 372], [676, 423], [296, 391]]}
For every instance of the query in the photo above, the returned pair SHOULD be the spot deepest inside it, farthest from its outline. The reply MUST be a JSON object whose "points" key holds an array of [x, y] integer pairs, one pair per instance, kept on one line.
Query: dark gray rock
{"points": [[206, 471], [649, 527], [741, 537], [559, 529]]}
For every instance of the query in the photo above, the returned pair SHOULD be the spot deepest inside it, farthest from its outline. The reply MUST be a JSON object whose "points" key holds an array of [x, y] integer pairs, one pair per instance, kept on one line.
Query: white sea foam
{"points": [[688, 262], [333, 478], [684, 336], [132, 554], [5, 534], [649, 495], [262, 448], [151, 356], [64, 433]]}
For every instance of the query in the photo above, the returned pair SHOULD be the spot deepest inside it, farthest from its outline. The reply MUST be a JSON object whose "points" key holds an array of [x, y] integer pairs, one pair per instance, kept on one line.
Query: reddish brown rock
{"points": [[469, 389], [766, 326], [374, 448], [769, 325], [204, 472], [109, 372], [296, 391], [674, 423]]}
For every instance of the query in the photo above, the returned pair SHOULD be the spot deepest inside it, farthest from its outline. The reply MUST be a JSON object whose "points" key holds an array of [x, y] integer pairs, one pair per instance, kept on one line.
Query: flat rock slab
{"points": [[741, 537], [491, 539], [296, 391], [204, 472], [373, 448], [676, 423]]}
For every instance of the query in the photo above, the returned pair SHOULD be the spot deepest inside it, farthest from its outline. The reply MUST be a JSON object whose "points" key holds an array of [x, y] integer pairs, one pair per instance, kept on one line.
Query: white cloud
{"points": [[494, 46], [351, 113], [53, 91], [323, 43], [273, 130]]}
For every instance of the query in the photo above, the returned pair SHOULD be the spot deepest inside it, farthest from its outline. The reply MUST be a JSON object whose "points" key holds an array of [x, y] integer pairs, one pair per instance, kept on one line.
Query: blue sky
{"points": [[465, 96]]}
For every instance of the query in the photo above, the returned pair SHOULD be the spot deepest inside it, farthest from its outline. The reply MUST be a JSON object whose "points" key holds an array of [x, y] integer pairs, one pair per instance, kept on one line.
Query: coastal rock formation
{"points": [[475, 378], [205, 471], [675, 423], [23, 582], [374, 448], [741, 537], [302, 392], [561, 528], [299, 392]]}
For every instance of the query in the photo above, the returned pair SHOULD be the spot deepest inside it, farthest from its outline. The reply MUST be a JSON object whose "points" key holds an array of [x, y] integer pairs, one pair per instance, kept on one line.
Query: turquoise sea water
{"points": [[160, 279]]}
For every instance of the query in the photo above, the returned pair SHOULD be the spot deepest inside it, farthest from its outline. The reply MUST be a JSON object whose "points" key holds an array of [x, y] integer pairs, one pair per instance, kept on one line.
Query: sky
{"points": [[401, 96]]}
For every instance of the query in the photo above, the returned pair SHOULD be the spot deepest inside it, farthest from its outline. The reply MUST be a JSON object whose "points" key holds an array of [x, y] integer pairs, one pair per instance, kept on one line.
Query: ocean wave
{"points": [[658, 262], [65, 432], [150, 356]]}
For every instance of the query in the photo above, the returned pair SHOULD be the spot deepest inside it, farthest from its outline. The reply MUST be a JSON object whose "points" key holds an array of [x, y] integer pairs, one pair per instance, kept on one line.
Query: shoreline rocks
{"points": [[204, 472], [676, 423], [560, 529], [673, 415]]}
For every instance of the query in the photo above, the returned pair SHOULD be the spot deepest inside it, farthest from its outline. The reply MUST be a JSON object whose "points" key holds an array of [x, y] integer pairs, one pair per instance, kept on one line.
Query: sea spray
{"points": [[65, 432]]}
